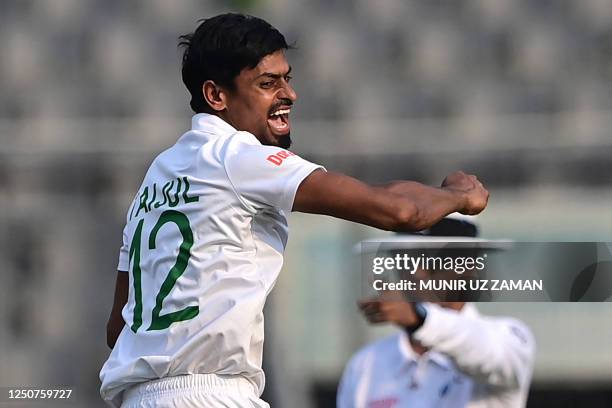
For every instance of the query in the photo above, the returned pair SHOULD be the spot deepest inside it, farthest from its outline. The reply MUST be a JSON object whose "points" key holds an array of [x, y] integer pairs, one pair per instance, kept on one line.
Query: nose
{"points": [[287, 92]]}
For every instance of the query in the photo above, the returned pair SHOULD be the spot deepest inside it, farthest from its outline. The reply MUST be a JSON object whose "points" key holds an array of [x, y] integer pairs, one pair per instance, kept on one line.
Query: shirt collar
{"points": [[212, 124], [405, 347], [412, 356]]}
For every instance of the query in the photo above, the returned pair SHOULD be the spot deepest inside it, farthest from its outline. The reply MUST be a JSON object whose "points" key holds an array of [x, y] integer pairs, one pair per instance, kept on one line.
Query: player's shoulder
{"points": [[244, 150], [519, 329], [243, 138], [514, 328], [243, 142], [207, 147], [507, 321]]}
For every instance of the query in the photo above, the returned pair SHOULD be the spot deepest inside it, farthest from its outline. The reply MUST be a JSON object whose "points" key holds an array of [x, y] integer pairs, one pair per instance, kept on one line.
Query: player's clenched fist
{"points": [[393, 311], [474, 194]]}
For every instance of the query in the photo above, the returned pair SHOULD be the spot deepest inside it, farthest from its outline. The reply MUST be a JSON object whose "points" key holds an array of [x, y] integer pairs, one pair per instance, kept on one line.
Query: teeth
{"points": [[281, 112]]}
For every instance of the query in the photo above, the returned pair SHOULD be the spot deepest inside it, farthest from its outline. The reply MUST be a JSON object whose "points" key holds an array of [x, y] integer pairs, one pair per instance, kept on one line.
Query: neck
{"points": [[223, 115]]}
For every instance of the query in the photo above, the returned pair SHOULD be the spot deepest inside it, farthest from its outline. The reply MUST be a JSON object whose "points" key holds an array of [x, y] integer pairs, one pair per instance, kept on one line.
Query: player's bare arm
{"points": [[115, 321], [397, 206]]}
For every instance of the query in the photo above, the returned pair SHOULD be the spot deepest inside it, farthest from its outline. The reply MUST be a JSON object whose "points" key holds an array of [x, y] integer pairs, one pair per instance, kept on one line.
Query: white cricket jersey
{"points": [[203, 245], [473, 361]]}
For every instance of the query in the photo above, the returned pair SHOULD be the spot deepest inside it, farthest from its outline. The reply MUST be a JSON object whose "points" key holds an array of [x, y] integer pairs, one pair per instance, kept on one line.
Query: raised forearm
{"points": [[431, 204], [397, 206]]}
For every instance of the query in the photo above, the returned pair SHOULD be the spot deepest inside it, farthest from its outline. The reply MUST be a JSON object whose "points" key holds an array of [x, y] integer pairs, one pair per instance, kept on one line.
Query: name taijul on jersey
{"points": [[168, 195]]}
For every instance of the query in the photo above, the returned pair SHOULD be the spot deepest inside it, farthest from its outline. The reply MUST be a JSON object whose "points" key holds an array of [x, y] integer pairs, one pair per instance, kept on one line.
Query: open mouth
{"points": [[279, 121]]}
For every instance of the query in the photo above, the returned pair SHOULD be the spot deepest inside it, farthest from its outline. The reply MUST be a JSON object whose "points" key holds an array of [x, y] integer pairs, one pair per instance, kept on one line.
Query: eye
{"points": [[267, 84], [288, 78]]}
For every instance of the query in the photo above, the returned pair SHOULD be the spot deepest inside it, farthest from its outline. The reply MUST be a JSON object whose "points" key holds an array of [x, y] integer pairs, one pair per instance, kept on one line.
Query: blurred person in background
{"points": [[205, 234], [445, 354]]}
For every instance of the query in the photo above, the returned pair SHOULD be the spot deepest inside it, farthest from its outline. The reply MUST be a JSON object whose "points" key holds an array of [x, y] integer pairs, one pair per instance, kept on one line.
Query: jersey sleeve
{"points": [[264, 176], [494, 351]]}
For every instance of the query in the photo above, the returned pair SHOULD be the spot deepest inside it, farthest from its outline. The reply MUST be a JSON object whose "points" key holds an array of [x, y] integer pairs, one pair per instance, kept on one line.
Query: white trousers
{"points": [[194, 391]]}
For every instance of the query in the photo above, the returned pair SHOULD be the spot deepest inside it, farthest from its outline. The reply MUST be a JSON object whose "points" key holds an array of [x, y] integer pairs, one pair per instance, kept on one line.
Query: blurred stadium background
{"points": [[518, 92]]}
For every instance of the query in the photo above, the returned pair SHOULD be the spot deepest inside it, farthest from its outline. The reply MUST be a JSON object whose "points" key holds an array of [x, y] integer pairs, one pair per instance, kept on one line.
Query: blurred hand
{"points": [[393, 311], [474, 194]]}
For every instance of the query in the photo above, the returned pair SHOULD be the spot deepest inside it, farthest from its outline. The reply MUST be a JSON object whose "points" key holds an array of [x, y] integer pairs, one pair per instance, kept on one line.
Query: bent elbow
{"points": [[408, 218]]}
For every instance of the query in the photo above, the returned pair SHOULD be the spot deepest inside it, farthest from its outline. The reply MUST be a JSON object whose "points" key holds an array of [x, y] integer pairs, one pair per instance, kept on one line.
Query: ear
{"points": [[214, 96]]}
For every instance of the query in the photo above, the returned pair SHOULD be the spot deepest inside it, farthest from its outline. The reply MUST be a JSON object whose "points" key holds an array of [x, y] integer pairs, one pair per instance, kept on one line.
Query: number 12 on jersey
{"points": [[160, 322]]}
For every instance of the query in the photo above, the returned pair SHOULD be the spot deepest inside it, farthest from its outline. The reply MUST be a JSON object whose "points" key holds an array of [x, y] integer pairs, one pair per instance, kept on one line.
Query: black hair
{"points": [[221, 47], [451, 227]]}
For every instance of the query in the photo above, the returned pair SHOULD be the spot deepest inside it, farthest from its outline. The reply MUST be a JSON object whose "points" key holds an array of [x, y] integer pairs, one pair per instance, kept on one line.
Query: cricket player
{"points": [[445, 355], [204, 237]]}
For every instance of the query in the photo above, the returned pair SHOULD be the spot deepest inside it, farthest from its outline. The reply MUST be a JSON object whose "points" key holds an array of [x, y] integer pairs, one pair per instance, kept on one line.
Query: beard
{"points": [[285, 141]]}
